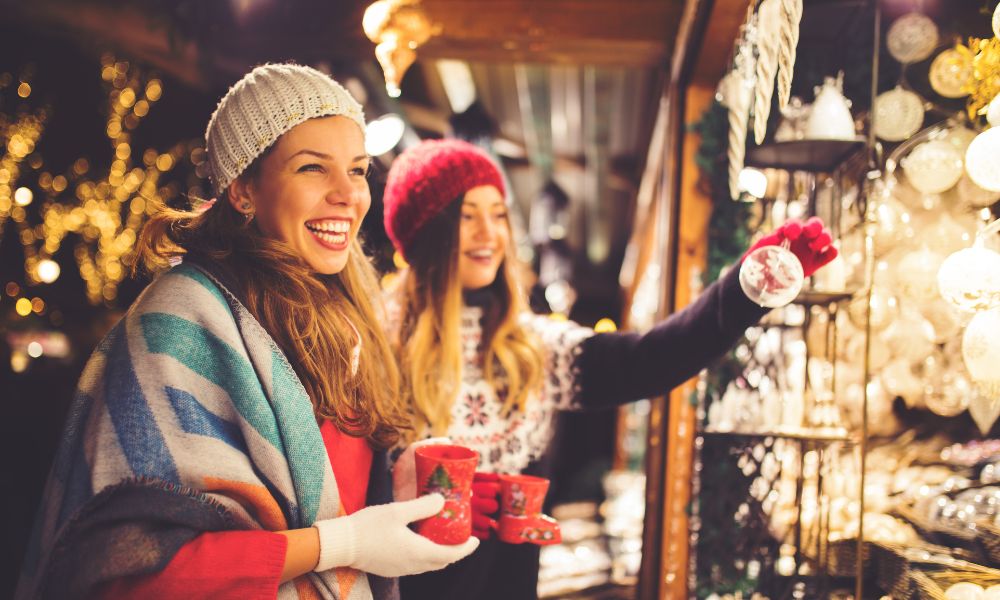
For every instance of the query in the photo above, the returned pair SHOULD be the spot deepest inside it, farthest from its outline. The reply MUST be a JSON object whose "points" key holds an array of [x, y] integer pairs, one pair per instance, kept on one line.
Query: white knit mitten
{"points": [[377, 540]]}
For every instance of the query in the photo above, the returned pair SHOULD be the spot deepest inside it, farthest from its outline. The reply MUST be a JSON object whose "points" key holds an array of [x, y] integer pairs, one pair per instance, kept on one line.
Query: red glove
{"points": [[810, 243], [485, 503]]}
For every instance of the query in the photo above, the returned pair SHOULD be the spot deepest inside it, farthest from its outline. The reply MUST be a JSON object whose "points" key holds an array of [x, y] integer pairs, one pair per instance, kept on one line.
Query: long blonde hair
{"points": [[429, 342], [309, 316]]}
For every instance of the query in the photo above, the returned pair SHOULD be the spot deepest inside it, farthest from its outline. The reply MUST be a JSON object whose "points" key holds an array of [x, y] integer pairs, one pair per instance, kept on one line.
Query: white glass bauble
{"points": [[949, 73], [982, 160], [899, 380], [940, 232], [970, 279], [981, 351], [911, 337], [884, 310], [984, 409], [892, 218], [993, 110], [912, 38], [993, 592], [973, 196], [830, 118], [916, 275], [771, 276], [996, 21], [945, 319], [933, 167], [899, 114], [964, 591]]}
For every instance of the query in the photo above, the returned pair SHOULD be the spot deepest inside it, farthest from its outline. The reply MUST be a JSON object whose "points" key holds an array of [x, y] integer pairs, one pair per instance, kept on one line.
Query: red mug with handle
{"points": [[446, 470], [521, 519]]}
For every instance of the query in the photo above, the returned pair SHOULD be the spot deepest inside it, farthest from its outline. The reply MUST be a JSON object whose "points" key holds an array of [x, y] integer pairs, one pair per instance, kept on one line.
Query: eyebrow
{"points": [[324, 156]]}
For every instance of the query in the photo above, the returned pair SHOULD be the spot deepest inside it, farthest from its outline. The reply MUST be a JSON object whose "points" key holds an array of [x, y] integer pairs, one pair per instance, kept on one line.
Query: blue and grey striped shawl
{"points": [[187, 418]]}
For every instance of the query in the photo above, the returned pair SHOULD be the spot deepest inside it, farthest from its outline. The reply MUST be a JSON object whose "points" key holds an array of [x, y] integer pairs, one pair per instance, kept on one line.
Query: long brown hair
{"points": [[309, 316], [429, 342]]}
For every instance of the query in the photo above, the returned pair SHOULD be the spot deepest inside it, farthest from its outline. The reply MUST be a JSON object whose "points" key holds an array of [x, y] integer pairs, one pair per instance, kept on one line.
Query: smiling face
{"points": [[484, 235], [311, 191]]}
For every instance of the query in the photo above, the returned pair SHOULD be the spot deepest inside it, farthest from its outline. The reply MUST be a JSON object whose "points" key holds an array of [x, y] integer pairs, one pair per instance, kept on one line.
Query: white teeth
{"points": [[332, 238], [333, 226], [481, 254]]}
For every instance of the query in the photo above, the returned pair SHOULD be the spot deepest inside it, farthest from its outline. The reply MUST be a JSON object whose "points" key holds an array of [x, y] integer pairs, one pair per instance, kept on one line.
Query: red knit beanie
{"points": [[426, 178]]}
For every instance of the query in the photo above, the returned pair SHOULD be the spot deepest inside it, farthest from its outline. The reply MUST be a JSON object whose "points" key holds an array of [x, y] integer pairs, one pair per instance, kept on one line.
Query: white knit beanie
{"points": [[262, 106]]}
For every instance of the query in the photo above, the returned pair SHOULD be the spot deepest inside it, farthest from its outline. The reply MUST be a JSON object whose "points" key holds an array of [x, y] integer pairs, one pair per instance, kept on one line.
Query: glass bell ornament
{"points": [[912, 38], [982, 160], [830, 118], [933, 167], [772, 276], [981, 351], [899, 114], [984, 411], [949, 73], [970, 279]]}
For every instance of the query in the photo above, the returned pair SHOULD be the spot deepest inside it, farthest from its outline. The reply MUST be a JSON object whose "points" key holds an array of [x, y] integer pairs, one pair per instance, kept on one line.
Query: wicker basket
{"points": [[988, 540]]}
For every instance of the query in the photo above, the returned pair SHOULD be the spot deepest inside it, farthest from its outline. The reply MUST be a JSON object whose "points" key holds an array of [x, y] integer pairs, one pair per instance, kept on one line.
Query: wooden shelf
{"points": [[817, 156]]}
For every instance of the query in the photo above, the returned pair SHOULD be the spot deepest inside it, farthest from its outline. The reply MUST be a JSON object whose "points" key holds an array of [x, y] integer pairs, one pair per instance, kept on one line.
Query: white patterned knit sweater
{"points": [[508, 444]]}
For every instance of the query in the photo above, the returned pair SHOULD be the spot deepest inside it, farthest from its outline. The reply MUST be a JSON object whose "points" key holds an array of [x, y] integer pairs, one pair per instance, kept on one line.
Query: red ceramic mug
{"points": [[446, 470], [521, 519]]}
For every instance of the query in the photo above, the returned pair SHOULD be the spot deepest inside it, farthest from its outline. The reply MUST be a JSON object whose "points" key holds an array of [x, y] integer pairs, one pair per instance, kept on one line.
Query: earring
{"points": [[245, 205], [248, 217]]}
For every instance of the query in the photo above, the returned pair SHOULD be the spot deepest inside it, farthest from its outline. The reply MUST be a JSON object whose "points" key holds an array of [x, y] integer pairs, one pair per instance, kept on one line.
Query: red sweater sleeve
{"points": [[244, 565]]}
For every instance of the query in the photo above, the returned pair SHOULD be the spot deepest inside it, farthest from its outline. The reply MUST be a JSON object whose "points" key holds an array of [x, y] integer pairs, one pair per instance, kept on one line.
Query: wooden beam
{"points": [[717, 44]]}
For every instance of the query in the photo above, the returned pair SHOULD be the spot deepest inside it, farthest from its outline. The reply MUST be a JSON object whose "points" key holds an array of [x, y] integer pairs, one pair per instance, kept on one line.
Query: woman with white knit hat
{"points": [[228, 436]]}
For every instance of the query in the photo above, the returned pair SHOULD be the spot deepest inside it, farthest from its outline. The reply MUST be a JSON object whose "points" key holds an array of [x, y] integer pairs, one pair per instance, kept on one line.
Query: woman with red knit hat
{"points": [[481, 369]]}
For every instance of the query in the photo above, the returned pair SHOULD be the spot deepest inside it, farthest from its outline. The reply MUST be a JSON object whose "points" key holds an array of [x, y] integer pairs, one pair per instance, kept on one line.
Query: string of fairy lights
{"points": [[105, 210]]}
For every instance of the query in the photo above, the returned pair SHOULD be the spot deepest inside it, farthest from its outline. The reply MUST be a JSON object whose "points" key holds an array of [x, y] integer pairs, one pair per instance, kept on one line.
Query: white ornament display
{"points": [[791, 15], [950, 396], [993, 110], [912, 38], [949, 73], [981, 351], [830, 118], [884, 310], [982, 160], [771, 276], [970, 279], [933, 167], [769, 17], [899, 114]]}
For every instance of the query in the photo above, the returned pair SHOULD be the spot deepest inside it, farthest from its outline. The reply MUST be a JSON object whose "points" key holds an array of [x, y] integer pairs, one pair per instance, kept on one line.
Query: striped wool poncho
{"points": [[187, 418]]}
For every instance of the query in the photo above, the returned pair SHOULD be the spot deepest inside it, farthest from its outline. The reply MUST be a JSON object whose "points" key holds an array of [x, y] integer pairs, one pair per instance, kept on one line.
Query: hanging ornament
{"points": [[982, 160], [911, 337], [981, 352], [830, 118], [912, 38], [944, 318], [970, 279], [768, 38], [993, 111], [791, 15], [933, 167], [949, 73], [899, 380], [771, 276], [916, 275], [739, 93], [946, 392], [984, 411], [899, 114], [884, 310]]}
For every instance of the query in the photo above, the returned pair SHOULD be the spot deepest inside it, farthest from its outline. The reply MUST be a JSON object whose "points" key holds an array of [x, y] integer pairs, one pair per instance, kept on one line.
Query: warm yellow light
{"points": [[18, 362], [37, 305], [557, 316], [154, 89], [23, 196], [164, 162], [605, 325], [24, 90], [127, 97], [59, 183], [23, 307], [398, 261]]}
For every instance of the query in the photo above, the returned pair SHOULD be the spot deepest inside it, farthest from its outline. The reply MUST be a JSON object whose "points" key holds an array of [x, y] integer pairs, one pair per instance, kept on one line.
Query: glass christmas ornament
{"points": [[949, 73], [899, 380], [993, 110], [899, 114], [981, 351], [912, 38], [916, 275], [933, 167], [910, 337], [946, 392], [772, 276], [982, 160], [970, 279], [945, 319], [884, 310], [892, 218], [830, 118]]}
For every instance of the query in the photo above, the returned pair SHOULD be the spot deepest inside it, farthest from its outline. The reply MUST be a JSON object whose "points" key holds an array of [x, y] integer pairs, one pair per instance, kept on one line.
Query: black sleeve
{"points": [[615, 368]]}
